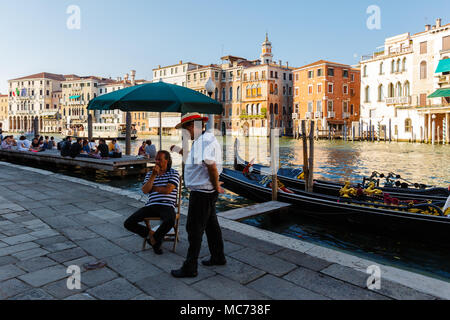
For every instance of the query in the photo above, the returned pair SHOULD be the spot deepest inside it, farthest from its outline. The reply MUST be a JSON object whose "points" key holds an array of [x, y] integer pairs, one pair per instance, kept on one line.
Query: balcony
{"points": [[294, 116], [318, 114], [398, 100], [331, 114], [308, 115], [346, 115], [444, 79]]}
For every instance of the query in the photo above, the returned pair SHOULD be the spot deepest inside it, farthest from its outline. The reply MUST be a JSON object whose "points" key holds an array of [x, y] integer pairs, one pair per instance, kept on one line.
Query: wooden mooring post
{"points": [[308, 162]]}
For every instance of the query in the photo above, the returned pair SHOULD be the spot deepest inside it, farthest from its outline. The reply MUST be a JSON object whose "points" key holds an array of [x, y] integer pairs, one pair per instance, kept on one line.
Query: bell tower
{"points": [[266, 53]]}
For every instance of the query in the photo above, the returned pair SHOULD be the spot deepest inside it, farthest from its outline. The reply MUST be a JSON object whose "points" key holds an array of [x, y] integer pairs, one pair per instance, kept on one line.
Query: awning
{"points": [[74, 97], [440, 93], [443, 66], [331, 121]]}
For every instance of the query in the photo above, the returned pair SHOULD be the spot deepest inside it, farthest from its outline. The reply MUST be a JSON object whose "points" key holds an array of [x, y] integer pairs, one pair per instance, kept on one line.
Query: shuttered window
{"points": [[423, 47], [446, 43]]}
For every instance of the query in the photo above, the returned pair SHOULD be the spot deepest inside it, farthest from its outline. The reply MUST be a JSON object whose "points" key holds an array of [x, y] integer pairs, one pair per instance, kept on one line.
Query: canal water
{"points": [[336, 161]]}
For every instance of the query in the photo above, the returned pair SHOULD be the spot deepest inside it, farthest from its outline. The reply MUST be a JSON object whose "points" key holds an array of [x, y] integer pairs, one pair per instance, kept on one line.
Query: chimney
{"points": [[279, 62], [427, 27], [125, 78], [181, 61], [159, 66], [438, 22], [287, 64], [133, 77]]}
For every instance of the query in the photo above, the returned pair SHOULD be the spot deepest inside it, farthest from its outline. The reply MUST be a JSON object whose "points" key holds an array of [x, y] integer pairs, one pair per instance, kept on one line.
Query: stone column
{"points": [[447, 129], [429, 128]]}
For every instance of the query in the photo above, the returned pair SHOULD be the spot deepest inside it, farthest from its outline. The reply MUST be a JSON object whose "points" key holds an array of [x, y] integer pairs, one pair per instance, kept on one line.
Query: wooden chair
{"points": [[170, 236]]}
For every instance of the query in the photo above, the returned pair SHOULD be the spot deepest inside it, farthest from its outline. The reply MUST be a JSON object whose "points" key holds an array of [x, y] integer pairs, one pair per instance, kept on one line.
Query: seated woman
{"points": [[102, 151], [161, 185], [36, 146]]}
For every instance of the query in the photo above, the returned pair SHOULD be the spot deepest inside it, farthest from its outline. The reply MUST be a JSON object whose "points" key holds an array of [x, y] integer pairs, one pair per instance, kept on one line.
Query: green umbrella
{"points": [[156, 97]]}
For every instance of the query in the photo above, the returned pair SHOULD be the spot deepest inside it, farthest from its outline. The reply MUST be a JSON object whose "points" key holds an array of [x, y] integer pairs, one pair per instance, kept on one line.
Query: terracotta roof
{"points": [[320, 62], [3, 95], [43, 75]]}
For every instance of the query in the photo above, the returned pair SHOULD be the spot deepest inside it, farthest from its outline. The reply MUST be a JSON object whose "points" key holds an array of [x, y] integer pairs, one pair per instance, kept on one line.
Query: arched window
{"points": [[271, 108], [254, 108], [398, 89], [276, 108], [276, 89], [406, 89], [404, 64], [248, 109], [391, 90], [238, 93], [398, 65], [254, 90], [223, 94], [381, 68], [365, 71], [258, 90], [249, 91], [423, 70], [392, 66], [380, 93], [367, 94], [231, 93], [258, 108], [271, 88]]}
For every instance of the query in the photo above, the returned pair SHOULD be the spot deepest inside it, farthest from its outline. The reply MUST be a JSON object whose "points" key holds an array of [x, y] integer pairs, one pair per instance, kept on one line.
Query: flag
{"points": [[13, 93], [17, 92], [24, 92]]}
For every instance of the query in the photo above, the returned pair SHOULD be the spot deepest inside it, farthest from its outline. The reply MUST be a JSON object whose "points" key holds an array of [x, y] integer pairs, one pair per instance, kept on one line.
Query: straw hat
{"points": [[189, 117]]}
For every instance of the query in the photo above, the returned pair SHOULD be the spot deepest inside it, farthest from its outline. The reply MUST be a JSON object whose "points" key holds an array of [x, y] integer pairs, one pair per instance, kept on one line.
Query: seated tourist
{"points": [[114, 149], [36, 146], [52, 143], [150, 150], [141, 151], [23, 144], [7, 143], [75, 148], [65, 148], [46, 143], [161, 185], [102, 150], [92, 145]]}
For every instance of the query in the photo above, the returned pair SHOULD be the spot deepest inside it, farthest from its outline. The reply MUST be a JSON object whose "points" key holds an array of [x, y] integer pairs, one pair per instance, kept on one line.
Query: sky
{"points": [[116, 36]]}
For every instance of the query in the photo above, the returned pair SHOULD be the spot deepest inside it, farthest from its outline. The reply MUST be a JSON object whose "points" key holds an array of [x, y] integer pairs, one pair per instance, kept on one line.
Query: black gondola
{"points": [[352, 210], [289, 177]]}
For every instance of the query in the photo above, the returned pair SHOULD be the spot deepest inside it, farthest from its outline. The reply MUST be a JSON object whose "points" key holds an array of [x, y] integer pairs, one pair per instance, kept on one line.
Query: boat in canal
{"points": [[425, 217], [395, 185], [105, 131]]}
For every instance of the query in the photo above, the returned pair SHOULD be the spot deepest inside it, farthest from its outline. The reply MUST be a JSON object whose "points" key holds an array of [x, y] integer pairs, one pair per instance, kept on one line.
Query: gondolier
{"points": [[202, 169]]}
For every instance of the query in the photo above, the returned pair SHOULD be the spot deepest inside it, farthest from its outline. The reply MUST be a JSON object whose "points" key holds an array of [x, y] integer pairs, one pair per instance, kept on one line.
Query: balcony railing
{"points": [[398, 100], [318, 114], [294, 116], [308, 115], [346, 115], [331, 114]]}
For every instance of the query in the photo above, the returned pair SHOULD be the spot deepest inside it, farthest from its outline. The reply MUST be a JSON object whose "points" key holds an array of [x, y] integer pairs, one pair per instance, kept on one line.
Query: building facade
{"points": [[30, 97], [397, 85], [328, 93], [4, 107]]}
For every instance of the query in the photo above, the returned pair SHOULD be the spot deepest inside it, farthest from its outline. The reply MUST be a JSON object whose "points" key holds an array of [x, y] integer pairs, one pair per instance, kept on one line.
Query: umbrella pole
{"points": [[160, 131], [89, 126], [128, 134]]}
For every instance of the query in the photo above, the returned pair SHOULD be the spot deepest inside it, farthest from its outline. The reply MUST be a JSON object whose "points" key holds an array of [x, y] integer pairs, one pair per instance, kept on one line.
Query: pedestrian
{"points": [[201, 175], [161, 185]]}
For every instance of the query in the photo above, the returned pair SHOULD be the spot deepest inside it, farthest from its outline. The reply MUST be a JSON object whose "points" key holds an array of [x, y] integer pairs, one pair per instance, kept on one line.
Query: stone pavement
{"points": [[48, 224]]}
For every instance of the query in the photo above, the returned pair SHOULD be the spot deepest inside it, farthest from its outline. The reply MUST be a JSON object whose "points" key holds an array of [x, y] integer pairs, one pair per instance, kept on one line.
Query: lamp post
{"points": [[433, 129], [210, 87]]}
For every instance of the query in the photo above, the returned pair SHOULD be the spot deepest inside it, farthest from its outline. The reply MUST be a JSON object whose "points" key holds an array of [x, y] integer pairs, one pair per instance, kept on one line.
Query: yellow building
{"points": [[4, 112]]}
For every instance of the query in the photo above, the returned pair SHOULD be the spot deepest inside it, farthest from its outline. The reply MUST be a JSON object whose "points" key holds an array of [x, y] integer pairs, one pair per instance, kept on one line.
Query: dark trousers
{"points": [[166, 213], [202, 218]]}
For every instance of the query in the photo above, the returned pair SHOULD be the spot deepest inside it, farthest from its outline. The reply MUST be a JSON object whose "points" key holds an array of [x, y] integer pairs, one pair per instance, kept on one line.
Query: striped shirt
{"points": [[172, 177]]}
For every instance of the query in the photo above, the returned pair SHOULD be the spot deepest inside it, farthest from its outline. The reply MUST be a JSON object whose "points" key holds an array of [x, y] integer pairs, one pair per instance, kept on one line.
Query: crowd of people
{"points": [[37, 144], [73, 147]]}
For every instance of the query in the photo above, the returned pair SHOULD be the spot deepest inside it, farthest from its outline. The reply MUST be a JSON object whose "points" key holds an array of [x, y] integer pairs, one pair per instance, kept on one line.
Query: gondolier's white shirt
{"points": [[204, 148]]}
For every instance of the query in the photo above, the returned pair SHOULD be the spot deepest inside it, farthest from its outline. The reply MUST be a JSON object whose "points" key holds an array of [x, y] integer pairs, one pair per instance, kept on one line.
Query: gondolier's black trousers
{"points": [[202, 218], [166, 213]]}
